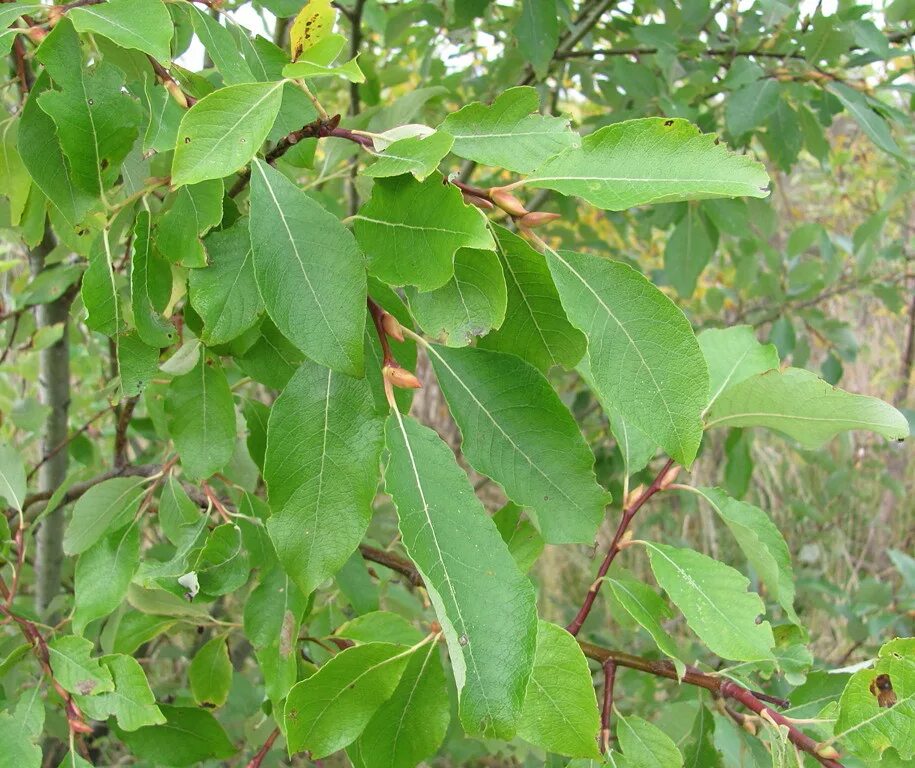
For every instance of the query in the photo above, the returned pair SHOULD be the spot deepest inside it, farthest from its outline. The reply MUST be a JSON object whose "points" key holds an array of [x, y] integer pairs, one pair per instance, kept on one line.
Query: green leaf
{"points": [[689, 249], [99, 289], [225, 294], [136, 628], [510, 133], [9, 13], [220, 46], [164, 116], [188, 737], [150, 287], [524, 541], [410, 231], [411, 725], [714, 599], [324, 443], [642, 353], [645, 606], [535, 326], [349, 70], [651, 160], [762, 543], [537, 33], [328, 710], [201, 419], [138, 364], [700, 751], [108, 506], [222, 565], [309, 271], [419, 155], [733, 355], [863, 725], [194, 211], [131, 702], [478, 593], [272, 359], [224, 130], [210, 673], [471, 303], [871, 122], [17, 748], [560, 710], [518, 432], [12, 477], [273, 612], [750, 106], [800, 405], [380, 626], [142, 25], [75, 669], [645, 745], [14, 176], [103, 573], [39, 148], [97, 122]]}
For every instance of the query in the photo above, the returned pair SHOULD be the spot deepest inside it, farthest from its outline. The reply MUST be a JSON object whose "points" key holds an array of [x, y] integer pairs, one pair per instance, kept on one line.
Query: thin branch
{"points": [[120, 435], [63, 444], [258, 758], [606, 711], [626, 516]]}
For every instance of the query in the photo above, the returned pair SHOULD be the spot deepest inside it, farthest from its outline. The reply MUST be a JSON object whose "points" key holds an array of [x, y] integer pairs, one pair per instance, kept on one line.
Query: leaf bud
{"points": [[669, 477], [537, 219], [392, 326], [479, 202], [176, 93], [507, 201], [400, 377]]}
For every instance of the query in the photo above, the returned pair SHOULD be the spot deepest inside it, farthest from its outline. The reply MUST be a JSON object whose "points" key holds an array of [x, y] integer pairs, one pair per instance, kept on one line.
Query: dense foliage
{"points": [[227, 541]]}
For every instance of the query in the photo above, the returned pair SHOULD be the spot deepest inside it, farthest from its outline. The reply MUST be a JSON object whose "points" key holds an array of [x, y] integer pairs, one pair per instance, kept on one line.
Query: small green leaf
{"points": [[328, 710], [150, 287], [108, 506], [224, 130], [645, 745], [201, 419], [222, 565], [651, 160], [195, 210], [734, 354], [560, 710], [17, 748], [871, 122], [12, 477], [410, 231], [478, 592], [225, 294], [510, 133], [273, 612], [518, 432], [802, 406], [537, 33], [14, 176], [103, 573], [524, 541], [188, 737], [470, 304], [349, 70], [419, 155], [131, 702], [138, 363], [714, 599], [75, 669], [321, 469], [642, 352], [380, 626], [309, 271], [99, 289], [220, 46], [689, 249], [142, 25], [210, 673]]}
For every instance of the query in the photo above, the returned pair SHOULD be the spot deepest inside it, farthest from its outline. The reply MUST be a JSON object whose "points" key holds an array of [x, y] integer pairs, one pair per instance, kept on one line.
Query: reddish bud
{"points": [[537, 219], [479, 202], [828, 751], [669, 477], [392, 326], [36, 34], [400, 377], [633, 496], [176, 93], [55, 14], [507, 201]]}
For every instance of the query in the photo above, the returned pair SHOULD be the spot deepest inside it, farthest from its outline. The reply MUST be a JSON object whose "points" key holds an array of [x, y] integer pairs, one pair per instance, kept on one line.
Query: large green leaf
{"points": [[210, 673], [411, 725], [150, 287], [188, 737], [645, 745], [643, 354], [103, 573], [734, 354], [195, 209], [714, 599], [535, 326], [105, 507], [762, 543], [328, 710], [518, 432], [479, 595], [224, 130], [801, 405], [131, 702], [651, 160], [201, 419], [510, 133], [470, 304], [309, 271], [75, 669], [225, 294], [97, 122], [537, 33], [17, 746], [869, 727], [324, 443], [410, 230], [560, 710], [143, 25]]}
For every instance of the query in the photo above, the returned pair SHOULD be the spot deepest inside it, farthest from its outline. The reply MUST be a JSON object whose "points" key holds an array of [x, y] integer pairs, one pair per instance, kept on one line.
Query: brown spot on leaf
{"points": [[882, 688], [668, 123]]}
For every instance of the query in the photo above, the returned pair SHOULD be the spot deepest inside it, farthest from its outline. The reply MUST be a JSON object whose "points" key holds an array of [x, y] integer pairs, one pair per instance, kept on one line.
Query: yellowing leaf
{"points": [[314, 22]]}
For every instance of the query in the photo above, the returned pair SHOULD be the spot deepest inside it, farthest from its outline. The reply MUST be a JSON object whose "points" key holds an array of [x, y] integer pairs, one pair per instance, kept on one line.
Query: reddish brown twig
{"points": [[606, 711], [63, 444], [120, 434], [628, 513], [258, 758]]}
